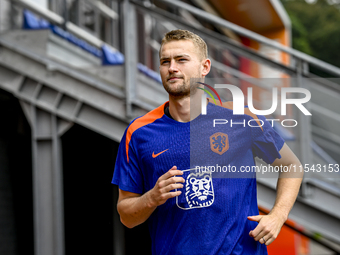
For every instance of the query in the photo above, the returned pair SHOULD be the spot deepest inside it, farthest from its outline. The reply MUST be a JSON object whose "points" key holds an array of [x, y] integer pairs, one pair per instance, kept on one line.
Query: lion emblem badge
{"points": [[198, 190], [219, 143]]}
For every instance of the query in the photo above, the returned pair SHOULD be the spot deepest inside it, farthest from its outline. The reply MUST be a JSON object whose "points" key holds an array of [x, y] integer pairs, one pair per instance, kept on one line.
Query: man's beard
{"points": [[186, 89]]}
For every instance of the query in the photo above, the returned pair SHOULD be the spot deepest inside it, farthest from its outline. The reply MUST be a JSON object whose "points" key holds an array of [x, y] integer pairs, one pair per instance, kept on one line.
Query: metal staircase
{"points": [[59, 84]]}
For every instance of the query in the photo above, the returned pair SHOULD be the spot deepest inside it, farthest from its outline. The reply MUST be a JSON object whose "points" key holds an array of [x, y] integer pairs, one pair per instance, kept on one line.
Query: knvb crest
{"points": [[219, 143]]}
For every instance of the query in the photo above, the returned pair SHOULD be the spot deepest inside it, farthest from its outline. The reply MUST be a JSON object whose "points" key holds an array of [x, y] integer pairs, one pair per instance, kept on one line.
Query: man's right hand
{"points": [[163, 189]]}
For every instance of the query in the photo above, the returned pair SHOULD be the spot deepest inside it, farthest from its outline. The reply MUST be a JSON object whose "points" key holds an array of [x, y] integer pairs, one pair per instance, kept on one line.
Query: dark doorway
{"points": [[88, 165], [88, 162], [16, 195]]}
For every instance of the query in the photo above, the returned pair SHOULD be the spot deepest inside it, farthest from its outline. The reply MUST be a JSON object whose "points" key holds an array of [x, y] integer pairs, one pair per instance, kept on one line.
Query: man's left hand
{"points": [[268, 228]]}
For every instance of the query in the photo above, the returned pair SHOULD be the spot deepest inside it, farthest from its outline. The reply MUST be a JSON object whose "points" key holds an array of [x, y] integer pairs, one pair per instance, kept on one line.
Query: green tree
{"points": [[315, 29]]}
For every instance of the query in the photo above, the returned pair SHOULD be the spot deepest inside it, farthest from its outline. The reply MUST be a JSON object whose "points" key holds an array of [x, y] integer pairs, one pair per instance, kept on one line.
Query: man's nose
{"points": [[173, 66]]}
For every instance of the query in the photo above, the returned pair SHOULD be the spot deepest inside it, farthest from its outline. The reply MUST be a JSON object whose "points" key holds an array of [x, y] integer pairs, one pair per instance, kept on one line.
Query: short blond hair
{"points": [[180, 34]]}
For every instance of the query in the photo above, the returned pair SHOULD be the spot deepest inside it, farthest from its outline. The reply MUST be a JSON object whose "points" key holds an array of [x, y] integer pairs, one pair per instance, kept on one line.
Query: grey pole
{"points": [[47, 182], [304, 127], [130, 52]]}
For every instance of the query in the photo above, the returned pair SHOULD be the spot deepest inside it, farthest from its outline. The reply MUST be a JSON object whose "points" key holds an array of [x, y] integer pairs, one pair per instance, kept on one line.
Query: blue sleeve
{"points": [[266, 143], [127, 174]]}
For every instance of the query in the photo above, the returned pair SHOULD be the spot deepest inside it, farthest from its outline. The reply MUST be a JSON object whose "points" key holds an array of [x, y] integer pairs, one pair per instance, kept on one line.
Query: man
{"points": [[192, 212]]}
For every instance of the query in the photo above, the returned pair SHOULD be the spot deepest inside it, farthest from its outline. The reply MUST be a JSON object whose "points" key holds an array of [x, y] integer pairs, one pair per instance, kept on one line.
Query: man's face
{"points": [[179, 61]]}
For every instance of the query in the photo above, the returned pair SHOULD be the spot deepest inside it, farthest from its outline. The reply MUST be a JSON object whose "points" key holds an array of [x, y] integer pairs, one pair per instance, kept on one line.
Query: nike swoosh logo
{"points": [[156, 155]]}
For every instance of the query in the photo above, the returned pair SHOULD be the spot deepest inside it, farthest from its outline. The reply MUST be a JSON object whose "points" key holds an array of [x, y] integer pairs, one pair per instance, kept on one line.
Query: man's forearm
{"points": [[288, 186], [135, 210]]}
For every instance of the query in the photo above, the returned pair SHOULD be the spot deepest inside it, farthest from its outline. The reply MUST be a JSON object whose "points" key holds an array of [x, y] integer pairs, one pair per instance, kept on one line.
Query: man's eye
{"points": [[182, 59], [164, 62]]}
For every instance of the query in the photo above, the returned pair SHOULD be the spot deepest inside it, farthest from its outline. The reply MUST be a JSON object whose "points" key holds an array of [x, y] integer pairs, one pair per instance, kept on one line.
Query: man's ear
{"points": [[206, 65]]}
